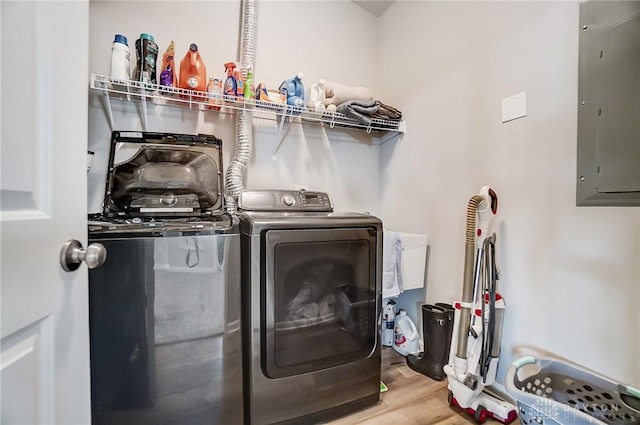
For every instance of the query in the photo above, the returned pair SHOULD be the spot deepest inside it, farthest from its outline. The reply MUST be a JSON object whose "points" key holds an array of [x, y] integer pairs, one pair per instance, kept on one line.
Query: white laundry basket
{"points": [[550, 391]]}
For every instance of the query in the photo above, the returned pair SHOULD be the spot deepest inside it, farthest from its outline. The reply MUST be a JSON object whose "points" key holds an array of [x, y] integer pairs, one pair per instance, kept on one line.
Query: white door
{"points": [[44, 348]]}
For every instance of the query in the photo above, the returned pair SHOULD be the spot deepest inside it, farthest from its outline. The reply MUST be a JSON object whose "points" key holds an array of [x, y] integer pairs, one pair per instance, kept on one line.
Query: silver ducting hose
{"points": [[234, 180], [467, 288], [238, 166]]}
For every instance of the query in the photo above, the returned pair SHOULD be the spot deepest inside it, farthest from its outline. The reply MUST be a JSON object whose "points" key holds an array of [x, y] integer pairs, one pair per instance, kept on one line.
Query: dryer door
{"points": [[318, 299]]}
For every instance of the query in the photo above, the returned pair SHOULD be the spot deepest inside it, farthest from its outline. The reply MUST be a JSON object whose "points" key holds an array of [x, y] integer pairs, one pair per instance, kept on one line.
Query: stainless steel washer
{"points": [[164, 308], [310, 299]]}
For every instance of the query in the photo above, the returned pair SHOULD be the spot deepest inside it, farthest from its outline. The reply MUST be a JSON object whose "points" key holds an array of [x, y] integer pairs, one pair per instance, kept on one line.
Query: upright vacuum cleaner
{"points": [[477, 332]]}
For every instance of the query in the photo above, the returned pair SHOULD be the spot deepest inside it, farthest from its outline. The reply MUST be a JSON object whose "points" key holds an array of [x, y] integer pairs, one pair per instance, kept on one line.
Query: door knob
{"points": [[72, 255]]}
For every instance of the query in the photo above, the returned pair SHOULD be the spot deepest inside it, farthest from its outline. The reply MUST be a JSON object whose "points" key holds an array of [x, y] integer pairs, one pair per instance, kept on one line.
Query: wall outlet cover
{"points": [[514, 107]]}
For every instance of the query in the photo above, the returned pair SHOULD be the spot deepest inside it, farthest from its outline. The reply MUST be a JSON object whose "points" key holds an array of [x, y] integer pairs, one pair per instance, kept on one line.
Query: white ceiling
{"points": [[376, 7]]}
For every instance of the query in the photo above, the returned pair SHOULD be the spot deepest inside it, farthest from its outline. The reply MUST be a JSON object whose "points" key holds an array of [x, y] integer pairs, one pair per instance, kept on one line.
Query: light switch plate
{"points": [[514, 107]]}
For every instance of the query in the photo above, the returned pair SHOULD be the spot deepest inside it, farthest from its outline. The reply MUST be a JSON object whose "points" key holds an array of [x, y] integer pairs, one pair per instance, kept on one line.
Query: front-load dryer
{"points": [[310, 301]]}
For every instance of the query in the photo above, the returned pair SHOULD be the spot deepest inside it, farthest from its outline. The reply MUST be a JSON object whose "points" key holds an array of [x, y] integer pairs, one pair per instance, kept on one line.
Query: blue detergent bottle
{"points": [[294, 90]]}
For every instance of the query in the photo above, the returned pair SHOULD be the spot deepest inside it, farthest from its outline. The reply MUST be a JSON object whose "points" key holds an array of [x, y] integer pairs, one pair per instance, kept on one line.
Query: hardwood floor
{"points": [[412, 399]]}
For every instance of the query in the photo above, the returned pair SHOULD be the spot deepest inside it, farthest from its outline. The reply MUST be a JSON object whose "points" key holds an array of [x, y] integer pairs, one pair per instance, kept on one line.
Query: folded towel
{"points": [[391, 257], [386, 112], [337, 93], [359, 110]]}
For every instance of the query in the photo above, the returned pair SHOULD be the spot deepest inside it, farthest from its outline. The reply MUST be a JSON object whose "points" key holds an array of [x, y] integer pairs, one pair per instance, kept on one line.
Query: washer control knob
{"points": [[288, 200], [169, 199]]}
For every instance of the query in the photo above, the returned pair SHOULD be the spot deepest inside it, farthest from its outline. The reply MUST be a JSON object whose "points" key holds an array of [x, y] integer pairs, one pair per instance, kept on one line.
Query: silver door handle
{"points": [[72, 255]]}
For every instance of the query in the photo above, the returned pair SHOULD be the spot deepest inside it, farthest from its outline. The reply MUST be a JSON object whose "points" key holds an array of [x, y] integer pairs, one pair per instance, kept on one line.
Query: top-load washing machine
{"points": [[311, 297], [165, 328]]}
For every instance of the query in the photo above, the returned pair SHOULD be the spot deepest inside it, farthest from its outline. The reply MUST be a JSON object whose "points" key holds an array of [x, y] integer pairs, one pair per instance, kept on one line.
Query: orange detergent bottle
{"points": [[193, 72]]}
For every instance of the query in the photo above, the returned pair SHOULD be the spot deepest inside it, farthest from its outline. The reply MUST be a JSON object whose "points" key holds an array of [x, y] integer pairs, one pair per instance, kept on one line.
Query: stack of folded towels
{"points": [[358, 103]]}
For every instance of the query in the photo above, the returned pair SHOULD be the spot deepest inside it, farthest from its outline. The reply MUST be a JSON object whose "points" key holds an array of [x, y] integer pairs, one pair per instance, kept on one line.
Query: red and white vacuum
{"points": [[477, 331]]}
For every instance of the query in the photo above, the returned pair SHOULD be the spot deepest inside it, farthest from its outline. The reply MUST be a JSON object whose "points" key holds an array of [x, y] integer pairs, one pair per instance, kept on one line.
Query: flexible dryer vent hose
{"points": [[467, 288], [244, 119]]}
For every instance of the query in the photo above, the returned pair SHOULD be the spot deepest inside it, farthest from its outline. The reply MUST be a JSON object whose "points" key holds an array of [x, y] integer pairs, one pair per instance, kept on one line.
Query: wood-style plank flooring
{"points": [[412, 399]]}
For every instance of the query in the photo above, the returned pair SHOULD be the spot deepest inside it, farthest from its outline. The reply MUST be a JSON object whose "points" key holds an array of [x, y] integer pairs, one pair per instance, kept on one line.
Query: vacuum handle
{"points": [[487, 209]]}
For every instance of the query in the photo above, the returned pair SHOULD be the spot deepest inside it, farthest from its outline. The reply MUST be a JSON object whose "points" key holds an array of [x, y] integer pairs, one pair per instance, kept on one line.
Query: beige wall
{"points": [[570, 276], [331, 40]]}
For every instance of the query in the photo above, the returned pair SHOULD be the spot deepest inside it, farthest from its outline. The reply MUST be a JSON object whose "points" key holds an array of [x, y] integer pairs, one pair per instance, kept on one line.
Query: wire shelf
{"points": [[136, 91]]}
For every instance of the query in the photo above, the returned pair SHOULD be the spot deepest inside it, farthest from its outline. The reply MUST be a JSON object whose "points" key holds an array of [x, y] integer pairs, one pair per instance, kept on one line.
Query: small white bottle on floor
{"points": [[406, 336], [388, 323]]}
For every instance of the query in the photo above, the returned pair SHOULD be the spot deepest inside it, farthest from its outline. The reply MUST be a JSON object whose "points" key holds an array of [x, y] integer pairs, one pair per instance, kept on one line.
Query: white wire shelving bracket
{"points": [[136, 91]]}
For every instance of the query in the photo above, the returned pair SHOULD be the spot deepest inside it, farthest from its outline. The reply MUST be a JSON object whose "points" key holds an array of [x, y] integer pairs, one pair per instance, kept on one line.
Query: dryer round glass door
{"points": [[318, 299]]}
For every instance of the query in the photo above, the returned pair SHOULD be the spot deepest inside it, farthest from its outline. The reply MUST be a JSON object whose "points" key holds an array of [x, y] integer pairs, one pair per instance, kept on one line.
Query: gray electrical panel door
{"points": [[609, 104]]}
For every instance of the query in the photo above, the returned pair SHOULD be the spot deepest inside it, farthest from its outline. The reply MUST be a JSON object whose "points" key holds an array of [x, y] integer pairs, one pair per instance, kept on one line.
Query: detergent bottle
{"points": [[120, 58], [388, 322], [214, 88], [314, 96], [147, 55], [237, 74], [405, 338], [262, 93], [168, 75], [193, 72], [229, 88], [294, 90], [249, 87]]}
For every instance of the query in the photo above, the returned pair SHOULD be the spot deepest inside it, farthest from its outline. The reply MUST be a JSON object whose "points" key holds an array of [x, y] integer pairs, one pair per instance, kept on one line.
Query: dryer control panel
{"points": [[284, 200]]}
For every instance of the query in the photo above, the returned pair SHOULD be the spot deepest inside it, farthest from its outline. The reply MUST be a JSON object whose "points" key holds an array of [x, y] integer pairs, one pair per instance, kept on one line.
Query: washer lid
{"points": [[164, 175]]}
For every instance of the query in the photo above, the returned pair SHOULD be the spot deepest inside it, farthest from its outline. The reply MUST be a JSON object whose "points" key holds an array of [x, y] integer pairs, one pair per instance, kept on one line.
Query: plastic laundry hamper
{"points": [[550, 391]]}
